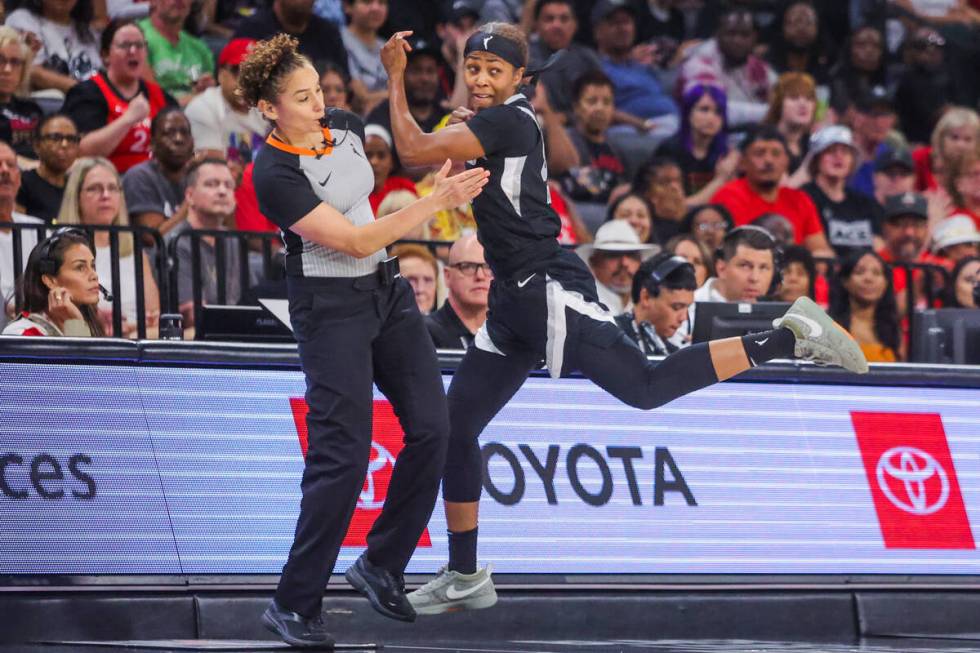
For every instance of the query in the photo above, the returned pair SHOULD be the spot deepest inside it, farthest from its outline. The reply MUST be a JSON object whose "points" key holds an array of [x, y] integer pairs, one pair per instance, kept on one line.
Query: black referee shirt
{"points": [[292, 181]]}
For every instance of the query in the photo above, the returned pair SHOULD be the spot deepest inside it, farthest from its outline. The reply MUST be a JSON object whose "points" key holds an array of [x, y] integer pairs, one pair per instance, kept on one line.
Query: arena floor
{"points": [[875, 645]]}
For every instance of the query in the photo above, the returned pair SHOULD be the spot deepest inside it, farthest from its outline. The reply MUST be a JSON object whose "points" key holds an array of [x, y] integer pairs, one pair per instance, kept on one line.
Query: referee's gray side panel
{"points": [[342, 179]]}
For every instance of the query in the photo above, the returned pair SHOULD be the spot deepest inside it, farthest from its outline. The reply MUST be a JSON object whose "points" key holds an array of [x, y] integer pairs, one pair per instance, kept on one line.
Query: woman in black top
{"points": [[543, 300], [357, 324], [56, 143]]}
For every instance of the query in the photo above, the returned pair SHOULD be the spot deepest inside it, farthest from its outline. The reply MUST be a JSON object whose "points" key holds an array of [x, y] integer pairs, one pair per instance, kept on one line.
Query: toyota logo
{"points": [[380, 458], [911, 468]]}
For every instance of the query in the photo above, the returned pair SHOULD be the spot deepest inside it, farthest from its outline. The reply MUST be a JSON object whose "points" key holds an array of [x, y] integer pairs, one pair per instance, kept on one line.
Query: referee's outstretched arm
{"points": [[327, 226]]}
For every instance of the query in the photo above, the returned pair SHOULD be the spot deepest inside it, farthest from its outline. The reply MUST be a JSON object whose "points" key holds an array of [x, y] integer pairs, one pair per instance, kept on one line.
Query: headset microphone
{"points": [[105, 293]]}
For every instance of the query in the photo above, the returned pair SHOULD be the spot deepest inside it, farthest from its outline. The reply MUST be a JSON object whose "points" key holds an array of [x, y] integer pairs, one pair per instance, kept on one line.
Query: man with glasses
{"points": [[221, 123], [468, 278], [56, 142]]}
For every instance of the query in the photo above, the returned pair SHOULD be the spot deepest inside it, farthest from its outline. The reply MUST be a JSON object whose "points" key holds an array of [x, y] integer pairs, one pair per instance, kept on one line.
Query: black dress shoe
{"points": [[295, 629], [383, 588]]}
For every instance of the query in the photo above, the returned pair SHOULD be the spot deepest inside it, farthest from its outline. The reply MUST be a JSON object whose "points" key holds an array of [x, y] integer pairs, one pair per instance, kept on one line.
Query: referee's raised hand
{"points": [[459, 189]]}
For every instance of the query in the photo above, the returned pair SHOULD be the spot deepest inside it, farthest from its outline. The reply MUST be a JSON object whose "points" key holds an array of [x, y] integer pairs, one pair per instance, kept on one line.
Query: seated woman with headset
{"points": [[61, 288]]}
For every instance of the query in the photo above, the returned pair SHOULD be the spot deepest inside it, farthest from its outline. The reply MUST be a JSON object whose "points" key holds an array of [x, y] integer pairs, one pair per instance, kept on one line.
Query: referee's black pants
{"points": [[352, 332]]}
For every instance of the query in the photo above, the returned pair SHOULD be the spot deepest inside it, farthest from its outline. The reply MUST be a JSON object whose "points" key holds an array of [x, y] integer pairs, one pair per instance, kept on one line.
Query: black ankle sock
{"points": [[462, 552], [765, 346]]}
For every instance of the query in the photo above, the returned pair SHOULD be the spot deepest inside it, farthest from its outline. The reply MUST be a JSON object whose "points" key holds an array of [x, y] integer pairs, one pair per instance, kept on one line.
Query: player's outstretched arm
{"points": [[415, 147]]}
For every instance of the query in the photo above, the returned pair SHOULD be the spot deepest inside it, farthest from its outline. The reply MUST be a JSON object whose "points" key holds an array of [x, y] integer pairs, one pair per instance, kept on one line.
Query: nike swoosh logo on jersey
{"points": [[326, 179], [815, 329], [762, 342], [452, 593], [521, 284]]}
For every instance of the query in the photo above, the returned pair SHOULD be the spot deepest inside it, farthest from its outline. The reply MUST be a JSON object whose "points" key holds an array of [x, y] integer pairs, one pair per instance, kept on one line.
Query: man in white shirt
{"points": [[221, 123], [745, 265], [9, 185]]}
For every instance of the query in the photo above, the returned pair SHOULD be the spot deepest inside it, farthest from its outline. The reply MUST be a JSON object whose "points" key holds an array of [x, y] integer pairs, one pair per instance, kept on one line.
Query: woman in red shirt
{"points": [[114, 108], [955, 134], [963, 185]]}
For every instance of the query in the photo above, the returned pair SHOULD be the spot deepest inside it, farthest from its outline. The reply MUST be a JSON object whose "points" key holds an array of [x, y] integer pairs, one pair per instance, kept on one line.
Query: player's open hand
{"points": [[457, 190], [394, 53]]}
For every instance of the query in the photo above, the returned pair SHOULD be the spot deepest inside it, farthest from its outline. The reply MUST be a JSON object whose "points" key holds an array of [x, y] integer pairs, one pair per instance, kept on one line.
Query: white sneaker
{"points": [[820, 339], [451, 591]]}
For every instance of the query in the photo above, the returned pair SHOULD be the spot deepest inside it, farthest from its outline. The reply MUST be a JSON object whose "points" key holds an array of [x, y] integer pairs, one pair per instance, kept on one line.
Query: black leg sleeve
{"points": [[616, 365], [481, 386]]}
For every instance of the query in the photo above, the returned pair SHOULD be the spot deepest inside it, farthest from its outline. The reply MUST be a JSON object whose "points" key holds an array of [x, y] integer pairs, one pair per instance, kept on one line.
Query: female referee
{"points": [[543, 302], [356, 322]]}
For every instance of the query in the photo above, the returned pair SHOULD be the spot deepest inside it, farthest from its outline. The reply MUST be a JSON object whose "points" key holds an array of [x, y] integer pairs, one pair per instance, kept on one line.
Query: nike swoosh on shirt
{"points": [[326, 179], [521, 284], [452, 593]]}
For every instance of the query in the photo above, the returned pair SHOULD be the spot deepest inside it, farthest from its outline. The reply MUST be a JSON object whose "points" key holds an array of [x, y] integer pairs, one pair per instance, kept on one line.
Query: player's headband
{"points": [[510, 52], [497, 45]]}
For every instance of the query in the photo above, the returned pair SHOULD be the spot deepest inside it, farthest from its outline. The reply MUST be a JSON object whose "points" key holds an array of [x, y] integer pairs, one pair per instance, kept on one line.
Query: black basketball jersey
{"points": [[515, 221]]}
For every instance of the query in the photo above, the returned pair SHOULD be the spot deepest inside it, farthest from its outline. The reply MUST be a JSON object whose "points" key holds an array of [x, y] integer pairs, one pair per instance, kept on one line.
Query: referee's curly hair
{"points": [[262, 73]]}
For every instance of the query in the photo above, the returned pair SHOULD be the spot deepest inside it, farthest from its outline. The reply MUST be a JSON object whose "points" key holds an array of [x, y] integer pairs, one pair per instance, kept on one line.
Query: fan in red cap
{"points": [[235, 52], [220, 122]]}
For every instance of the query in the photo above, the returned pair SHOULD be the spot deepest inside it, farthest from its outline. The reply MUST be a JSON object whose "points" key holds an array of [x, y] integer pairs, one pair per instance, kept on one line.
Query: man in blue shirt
{"points": [[645, 113]]}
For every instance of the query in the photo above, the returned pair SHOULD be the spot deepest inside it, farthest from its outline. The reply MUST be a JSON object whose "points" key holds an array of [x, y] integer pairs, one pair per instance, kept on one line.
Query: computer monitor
{"points": [[946, 335], [242, 324], [714, 320]]}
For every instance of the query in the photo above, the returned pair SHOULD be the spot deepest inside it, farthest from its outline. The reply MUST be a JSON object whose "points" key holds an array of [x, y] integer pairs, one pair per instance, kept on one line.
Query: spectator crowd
{"points": [[827, 148]]}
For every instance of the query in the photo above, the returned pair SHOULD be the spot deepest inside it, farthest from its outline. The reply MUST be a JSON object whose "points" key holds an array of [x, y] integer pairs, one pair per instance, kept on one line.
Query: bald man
{"points": [[468, 281]]}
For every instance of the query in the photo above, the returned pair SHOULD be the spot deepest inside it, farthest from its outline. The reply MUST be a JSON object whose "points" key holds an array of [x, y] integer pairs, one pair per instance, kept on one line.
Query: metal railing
{"points": [[220, 243], [267, 245], [42, 231]]}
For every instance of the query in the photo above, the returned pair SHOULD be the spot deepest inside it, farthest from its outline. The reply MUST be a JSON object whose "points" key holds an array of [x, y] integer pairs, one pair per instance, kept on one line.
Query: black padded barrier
{"points": [[919, 614]]}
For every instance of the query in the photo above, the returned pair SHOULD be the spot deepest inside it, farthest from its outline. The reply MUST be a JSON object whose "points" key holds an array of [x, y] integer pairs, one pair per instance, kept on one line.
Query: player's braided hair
{"points": [[264, 70]]}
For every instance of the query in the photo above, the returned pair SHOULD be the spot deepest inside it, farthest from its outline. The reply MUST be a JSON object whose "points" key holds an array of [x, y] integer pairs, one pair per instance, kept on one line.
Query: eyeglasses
{"points": [[469, 269], [126, 46], [712, 226], [73, 139], [98, 189], [13, 62], [923, 42]]}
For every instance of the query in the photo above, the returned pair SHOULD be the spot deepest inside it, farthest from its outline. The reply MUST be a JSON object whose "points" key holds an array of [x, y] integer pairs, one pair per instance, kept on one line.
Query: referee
{"points": [[356, 323]]}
